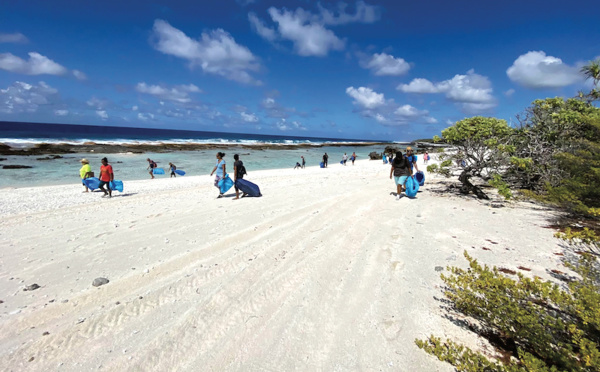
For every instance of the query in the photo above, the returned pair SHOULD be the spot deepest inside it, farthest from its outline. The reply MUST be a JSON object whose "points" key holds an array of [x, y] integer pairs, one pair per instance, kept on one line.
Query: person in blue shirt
{"points": [[220, 169], [412, 159]]}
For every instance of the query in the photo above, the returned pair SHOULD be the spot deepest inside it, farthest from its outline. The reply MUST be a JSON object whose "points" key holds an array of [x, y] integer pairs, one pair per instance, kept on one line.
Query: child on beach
{"points": [[344, 158], [85, 172], [297, 165], [401, 170], [172, 167], [425, 158], [353, 157], [303, 162], [220, 169], [106, 175], [151, 165]]}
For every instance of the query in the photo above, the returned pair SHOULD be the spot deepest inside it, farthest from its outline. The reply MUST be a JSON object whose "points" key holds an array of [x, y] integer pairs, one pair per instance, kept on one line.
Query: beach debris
{"points": [[80, 320], [524, 268], [1, 302], [439, 268], [100, 281], [65, 301], [31, 287], [45, 333], [485, 248], [507, 271], [31, 359]]}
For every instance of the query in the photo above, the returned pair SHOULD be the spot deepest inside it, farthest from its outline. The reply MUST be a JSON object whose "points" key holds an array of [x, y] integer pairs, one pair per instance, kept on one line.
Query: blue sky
{"points": [[392, 70]]}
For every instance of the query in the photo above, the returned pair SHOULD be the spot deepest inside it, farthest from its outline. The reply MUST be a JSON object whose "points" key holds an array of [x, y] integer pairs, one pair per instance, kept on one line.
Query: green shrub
{"points": [[502, 186], [536, 325]]}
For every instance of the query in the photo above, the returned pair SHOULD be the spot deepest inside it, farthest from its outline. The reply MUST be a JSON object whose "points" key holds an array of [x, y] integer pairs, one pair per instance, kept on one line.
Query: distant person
{"points": [[106, 175], [238, 173], [425, 157], [298, 165], [85, 172], [344, 158], [353, 157], [151, 165], [303, 162], [325, 158], [220, 169], [400, 170], [172, 168], [412, 158]]}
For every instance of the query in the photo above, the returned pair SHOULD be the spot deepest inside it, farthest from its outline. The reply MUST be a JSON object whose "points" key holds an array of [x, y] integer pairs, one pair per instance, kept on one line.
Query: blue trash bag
{"points": [[248, 188], [92, 183], [420, 177], [158, 171], [225, 184], [116, 185], [180, 172], [412, 187], [322, 165]]}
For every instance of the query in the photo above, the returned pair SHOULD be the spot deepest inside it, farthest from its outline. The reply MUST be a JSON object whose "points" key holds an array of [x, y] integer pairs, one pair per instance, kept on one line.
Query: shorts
{"points": [[400, 180], [102, 183]]}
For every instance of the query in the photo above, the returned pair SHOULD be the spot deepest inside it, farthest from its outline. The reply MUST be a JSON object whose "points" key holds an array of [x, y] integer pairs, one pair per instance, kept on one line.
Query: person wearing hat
{"points": [[85, 172], [412, 159]]}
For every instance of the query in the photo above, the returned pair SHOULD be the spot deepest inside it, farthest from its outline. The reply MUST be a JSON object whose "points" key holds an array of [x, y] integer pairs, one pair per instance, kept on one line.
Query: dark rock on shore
{"points": [[15, 166], [32, 287], [99, 281], [375, 156], [391, 149], [50, 157], [2, 159]]}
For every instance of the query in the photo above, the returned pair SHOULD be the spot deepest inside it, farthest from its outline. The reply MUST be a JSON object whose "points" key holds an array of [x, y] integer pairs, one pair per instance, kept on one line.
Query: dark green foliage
{"points": [[541, 326]]}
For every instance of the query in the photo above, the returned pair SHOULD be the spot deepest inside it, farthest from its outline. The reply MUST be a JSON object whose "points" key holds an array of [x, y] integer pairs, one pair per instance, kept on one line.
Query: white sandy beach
{"points": [[325, 272]]}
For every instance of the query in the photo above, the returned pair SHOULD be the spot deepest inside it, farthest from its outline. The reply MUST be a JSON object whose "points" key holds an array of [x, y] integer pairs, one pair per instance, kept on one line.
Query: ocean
{"points": [[130, 166]]}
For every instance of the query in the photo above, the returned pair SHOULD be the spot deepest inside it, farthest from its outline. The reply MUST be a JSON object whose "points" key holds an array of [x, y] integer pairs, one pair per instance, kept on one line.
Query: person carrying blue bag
{"points": [[401, 171], [412, 159], [220, 171]]}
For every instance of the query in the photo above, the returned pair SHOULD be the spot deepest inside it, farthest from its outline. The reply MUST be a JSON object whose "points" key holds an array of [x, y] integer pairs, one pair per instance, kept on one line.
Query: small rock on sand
{"points": [[99, 281], [439, 268], [32, 287]]}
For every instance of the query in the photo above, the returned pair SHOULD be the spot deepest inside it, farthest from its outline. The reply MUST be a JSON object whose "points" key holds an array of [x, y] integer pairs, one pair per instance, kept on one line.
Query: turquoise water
{"points": [[133, 166]]}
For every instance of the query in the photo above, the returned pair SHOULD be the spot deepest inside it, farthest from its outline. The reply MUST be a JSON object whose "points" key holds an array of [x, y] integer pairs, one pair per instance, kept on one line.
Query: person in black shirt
{"points": [[325, 158], [238, 172]]}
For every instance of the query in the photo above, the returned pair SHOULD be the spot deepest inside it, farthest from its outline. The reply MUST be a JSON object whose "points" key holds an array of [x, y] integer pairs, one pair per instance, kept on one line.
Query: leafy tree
{"points": [[482, 145]]}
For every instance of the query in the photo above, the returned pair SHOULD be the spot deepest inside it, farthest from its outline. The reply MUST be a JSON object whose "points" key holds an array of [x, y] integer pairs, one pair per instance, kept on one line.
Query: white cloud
{"points": [[147, 116], [509, 92], [16, 37], [366, 97], [310, 37], [250, 118], [419, 86], [61, 112], [21, 97], [134, 108], [79, 75], [387, 112], [536, 70], [364, 13], [473, 92], [36, 65], [385, 64], [284, 125], [216, 52], [275, 110], [96, 103], [259, 27], [102, 114], [177, 93]]}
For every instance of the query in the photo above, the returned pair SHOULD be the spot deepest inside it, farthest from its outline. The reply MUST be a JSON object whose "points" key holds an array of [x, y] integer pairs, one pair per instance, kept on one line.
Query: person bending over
{"points": [[400, 170]]}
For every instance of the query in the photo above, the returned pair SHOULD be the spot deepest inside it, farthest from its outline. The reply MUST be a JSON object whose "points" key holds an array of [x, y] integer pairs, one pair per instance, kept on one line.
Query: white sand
{"points": [[326, 271]]}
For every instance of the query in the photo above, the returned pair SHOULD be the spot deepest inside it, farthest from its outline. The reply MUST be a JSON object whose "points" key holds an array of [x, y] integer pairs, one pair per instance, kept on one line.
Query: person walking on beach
{"points": [[425, 158], [85, 172], [325, 158], [303, 162], [106, 175], [400, 170], [238, 173], [353, 157], [220, 171], [412, 158], [172, 167], [151, 165], [344, 159]]}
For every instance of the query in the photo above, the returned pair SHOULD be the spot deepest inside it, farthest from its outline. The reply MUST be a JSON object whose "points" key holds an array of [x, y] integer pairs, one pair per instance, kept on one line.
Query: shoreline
{"points": [[93, 147]]}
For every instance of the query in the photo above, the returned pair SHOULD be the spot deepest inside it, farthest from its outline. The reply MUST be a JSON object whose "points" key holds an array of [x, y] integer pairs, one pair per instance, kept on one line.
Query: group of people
{"points": [[106, 175], [152, 165], [220, 171], [402, 168]]}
